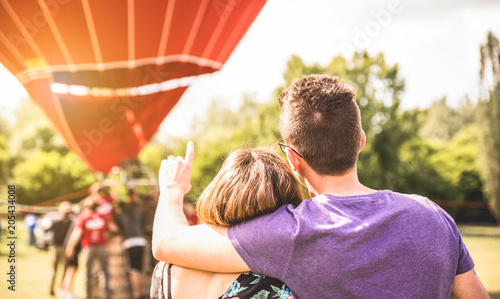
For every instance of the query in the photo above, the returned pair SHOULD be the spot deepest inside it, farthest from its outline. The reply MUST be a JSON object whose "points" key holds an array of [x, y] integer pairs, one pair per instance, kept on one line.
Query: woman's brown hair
{"points": [[250, 183]]}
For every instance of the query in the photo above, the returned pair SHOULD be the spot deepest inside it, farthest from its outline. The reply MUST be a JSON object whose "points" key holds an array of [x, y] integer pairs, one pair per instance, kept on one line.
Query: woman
{"points": [[250, 183]]}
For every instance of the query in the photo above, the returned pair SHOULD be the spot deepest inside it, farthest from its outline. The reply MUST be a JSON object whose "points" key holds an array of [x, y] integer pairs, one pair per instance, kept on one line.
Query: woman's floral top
{"points": [[247, 286], [255, 286]]}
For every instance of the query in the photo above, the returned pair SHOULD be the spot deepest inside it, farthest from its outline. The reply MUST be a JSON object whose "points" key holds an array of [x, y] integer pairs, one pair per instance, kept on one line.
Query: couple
{"points": [[347, 241]]}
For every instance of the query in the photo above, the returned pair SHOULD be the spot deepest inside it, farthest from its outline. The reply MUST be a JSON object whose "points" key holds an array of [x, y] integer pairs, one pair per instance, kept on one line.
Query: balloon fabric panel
{"points": [[107, 73]]}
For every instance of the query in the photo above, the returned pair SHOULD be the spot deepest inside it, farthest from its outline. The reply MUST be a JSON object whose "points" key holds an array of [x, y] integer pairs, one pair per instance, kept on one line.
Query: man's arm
{"points": [[200, 247], [112, 227], [75, 237], [468, 285]]}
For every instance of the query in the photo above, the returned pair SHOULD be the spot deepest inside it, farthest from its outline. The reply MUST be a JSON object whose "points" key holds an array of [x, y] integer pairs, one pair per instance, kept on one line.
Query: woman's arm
{"points": [[174, 241]]}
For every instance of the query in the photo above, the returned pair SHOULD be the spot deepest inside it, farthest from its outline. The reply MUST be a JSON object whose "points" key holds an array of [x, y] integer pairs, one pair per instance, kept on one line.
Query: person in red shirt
{"points": [[190, 212], [91, 228], [105, 203]]}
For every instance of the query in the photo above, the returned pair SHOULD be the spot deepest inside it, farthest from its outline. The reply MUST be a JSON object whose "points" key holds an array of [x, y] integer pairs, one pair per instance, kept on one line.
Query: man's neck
{"points": [[343, 185]]}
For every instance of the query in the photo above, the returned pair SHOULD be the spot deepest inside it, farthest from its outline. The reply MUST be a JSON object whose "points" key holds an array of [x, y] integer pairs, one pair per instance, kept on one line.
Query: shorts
{"points": [[133, 258]]}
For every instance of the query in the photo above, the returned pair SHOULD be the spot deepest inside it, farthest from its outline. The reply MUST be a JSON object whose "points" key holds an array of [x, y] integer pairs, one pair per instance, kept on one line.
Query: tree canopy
{"points": [[489, 109]]}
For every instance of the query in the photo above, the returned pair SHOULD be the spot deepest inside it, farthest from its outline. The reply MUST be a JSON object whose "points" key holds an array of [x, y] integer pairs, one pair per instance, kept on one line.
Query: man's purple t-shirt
{"points": [[381, 245]]}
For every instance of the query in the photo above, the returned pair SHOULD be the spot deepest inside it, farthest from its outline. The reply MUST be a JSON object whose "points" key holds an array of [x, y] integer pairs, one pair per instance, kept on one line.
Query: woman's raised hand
{"points": [[175, 172]]}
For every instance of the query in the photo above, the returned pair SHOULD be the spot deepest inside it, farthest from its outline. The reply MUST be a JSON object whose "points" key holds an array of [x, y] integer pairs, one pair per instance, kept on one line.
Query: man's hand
{"points": [[175, 172], [69, 252], [74, 238]]}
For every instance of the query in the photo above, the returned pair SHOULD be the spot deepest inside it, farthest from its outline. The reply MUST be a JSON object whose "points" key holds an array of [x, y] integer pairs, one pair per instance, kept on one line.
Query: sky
{"points": [[434, 42]]}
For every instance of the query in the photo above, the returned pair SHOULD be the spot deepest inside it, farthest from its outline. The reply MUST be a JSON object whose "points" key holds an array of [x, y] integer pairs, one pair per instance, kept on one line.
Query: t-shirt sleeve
{"points": [[266, 243], [465, 262]]}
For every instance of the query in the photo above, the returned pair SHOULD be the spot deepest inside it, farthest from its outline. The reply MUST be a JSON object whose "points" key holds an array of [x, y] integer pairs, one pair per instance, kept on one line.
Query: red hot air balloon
{"points": [[108, 72]]}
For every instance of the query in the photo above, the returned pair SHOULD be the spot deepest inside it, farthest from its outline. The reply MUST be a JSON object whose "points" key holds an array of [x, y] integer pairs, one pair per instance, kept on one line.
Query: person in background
{"points": [[91, 228], [66, 290], [105, 203], [190, 211], [30, 222], [148, 208], [59, 227], [129, 220]]}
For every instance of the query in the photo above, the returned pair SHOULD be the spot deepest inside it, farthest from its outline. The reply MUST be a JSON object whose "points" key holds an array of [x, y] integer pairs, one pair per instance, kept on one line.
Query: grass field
{"points": [[32, 268], [484, 246]]}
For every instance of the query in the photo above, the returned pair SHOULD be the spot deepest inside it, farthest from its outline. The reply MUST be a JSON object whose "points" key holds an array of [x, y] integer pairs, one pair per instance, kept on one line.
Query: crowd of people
{"points": [[83, 234]]}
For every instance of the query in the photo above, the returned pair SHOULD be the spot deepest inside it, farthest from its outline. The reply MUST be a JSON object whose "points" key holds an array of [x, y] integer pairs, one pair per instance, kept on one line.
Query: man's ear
{"points": [[363, 141], [293, 159]]}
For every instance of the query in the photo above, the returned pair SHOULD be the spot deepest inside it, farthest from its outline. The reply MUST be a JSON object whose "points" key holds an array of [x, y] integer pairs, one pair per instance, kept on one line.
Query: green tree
{"points": [[456, 161], [490, 118], [45, 175], [419, 173], [154, 152], [443, 122], [5, 156], [36, 158], [33, 131], [219, 132], [4, 162]]}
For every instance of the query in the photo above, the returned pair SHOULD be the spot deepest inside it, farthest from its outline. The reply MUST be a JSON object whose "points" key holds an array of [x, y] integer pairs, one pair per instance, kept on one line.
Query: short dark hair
{"points": [[103, 191], [320, 117], [90, 204]]}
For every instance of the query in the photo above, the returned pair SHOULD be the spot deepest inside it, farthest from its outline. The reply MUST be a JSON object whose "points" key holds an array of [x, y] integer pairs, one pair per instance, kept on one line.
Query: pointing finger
{"points": [[189, 154]]}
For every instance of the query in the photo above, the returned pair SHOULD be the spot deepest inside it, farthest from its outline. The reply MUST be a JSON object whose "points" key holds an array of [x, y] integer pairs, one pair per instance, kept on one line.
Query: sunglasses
{"points": [[283, 147]]}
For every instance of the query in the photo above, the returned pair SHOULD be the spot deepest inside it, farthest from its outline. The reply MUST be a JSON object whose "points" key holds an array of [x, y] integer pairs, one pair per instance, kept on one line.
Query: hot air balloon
{"points": [[108, 72]]}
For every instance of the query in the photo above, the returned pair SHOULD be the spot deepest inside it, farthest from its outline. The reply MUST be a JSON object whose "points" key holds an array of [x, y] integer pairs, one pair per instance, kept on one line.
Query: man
{"points": [[105, 203], [129, 220], [348, 240], [91, 228], [30, 223], [59, 227], [148, 207]]}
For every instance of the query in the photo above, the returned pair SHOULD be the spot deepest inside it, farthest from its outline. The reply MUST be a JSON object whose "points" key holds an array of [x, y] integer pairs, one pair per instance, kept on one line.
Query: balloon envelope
{"points": [[108, 72]]}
